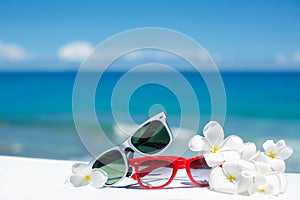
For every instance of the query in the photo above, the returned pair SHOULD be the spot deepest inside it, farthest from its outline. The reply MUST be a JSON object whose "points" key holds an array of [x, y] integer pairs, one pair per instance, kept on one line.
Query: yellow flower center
{"points": [[272, 154], [262, 190], [231, 178], [87, 178], [215, 149]]}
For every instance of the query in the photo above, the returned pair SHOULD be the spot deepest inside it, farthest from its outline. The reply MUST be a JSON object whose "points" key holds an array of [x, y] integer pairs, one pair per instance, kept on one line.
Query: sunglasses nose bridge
{"points": [[124, 145], [180, 163]]}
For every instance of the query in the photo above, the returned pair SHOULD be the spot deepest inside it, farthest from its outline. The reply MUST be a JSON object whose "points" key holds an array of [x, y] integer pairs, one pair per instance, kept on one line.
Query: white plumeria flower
{"points": [[275, 154], [260, 186], [279, 150], [229, 179], [84, 175], [216, 149]]}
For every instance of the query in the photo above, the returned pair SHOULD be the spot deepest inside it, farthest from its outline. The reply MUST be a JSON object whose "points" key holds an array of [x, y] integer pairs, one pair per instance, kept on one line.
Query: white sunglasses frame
{"points": [[128, 146]]}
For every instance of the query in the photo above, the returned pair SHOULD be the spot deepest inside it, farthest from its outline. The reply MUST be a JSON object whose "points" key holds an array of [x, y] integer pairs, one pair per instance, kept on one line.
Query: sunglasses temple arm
{"points": [[130, 153]]}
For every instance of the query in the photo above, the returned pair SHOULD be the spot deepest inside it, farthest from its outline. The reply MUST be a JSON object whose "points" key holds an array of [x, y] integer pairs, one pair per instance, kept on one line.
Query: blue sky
{"points": [[239, 35]]}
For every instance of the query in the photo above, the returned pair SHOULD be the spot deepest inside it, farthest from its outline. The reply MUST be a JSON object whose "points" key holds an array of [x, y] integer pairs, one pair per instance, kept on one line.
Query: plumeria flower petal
{"points": [[231, 147], [213, 132], [232, 143], [216, 177], [285, 152], [213, 159], [268, 145], [78, 181], [280, 143], [230, 156], [98, 178], [227, 187], [81, 169], [247, 165], [231, 170], [278, 165], [244, 180], [249, 151], [197, 144], [282, 182]]}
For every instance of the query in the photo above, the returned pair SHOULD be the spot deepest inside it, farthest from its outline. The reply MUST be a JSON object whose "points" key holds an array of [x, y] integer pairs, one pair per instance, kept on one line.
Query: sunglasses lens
{"points": [[113, 164], [155, 173], [151, 138], [200, 171]]}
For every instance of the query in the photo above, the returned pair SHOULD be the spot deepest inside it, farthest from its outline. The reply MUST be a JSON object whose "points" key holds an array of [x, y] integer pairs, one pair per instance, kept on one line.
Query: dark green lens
{"points": [[113, 164], [151, 138]]}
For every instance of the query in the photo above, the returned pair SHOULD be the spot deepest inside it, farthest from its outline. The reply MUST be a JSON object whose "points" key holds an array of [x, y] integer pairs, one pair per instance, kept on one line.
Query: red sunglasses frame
{"points": [[178, 163]]}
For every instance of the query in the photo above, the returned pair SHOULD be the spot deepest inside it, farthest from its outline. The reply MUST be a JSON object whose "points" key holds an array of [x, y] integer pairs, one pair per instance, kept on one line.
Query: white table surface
{"points": [[30, 179]]}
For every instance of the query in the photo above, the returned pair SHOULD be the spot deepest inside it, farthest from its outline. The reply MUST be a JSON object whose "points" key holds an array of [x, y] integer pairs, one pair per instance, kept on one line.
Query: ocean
{"points": [[36, 117]]}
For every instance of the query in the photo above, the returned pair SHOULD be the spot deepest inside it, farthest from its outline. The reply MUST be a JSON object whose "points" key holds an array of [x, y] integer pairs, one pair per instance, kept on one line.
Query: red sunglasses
{"points": [[156, 172]]}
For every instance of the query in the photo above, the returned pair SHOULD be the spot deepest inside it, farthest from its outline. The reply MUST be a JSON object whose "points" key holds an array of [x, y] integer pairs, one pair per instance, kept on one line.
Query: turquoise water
{"points": [[36, 110]]}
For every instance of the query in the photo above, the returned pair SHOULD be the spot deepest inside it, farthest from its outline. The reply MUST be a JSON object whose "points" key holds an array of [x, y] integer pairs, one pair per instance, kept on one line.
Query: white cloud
{"points": [[296, 57], [13, 53], [148, 54], [280, 58], [291, 60], [162, 55], [75, 51]]}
